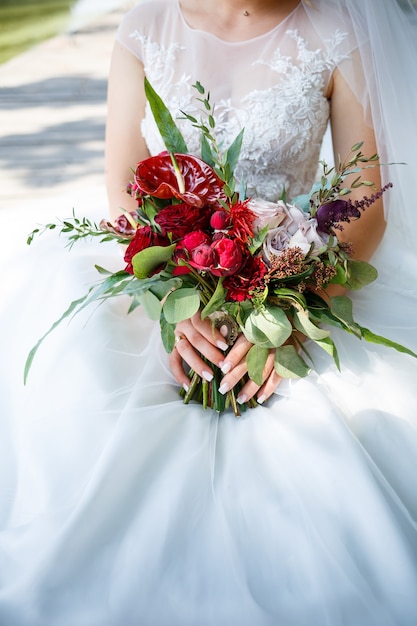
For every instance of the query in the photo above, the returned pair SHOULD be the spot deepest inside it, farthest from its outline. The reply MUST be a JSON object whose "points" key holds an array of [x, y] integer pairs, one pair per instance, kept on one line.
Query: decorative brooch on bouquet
{"points": [[197, 244]]}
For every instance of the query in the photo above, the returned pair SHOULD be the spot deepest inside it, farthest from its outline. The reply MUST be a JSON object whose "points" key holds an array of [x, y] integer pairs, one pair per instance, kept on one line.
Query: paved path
{"points": [[52, 116]]}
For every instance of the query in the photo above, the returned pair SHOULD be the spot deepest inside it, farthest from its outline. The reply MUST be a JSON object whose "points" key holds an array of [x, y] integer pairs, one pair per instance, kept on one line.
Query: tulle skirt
{"points": [[121, 506]]}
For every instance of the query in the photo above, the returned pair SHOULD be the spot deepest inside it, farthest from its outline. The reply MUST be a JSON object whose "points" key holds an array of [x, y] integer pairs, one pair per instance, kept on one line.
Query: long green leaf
{"points": [[368, 335], [216, 301], [148, 259], [171, 135], [233, 152]]}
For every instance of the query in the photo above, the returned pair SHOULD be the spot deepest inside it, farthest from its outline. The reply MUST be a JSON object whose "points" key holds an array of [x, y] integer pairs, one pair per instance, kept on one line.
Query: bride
{"points": [[122, 506]]}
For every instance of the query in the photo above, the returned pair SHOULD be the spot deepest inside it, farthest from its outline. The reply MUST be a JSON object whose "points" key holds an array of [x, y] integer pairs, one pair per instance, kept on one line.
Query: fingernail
{"points": [[222, 345], [242, 398], [224, 388], [185, 387], [226, 367], [261, 399], [208, 376]]}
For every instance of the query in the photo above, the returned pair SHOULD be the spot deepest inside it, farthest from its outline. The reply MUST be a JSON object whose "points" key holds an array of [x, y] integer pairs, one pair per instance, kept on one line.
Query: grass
{"points": [[25, 23]]}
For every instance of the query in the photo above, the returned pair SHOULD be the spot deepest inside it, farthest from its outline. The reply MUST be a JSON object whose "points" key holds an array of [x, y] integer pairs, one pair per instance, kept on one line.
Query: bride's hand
{"points": [[196, 336], [235, 368]]}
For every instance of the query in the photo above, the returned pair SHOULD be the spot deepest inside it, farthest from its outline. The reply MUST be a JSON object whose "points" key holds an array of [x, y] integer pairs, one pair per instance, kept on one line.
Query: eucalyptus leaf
{"points": [[148, 259], [328, 345], [289, 364], [206, 151], [360, 274], [172, 137], [267, 328], [167, 333], [256, 360], [216, 301], [181, 304], [341, 308], [151, 304], [303, 323]]}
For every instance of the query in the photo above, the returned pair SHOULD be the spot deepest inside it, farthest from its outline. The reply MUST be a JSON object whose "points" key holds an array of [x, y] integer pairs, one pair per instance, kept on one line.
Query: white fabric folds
{"points": [[120, 506]]}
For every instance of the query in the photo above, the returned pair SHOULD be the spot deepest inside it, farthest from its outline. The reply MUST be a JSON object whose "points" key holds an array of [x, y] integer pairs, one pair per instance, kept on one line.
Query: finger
{"points": [[187, 352], [205, 328], [197, 344], [177, 368], [251, 388], [236, 356], [269, 387]]}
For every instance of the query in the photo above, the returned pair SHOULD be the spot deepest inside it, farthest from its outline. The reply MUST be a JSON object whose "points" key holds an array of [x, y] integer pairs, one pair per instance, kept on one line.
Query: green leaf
{"points": [[167, 333], [359, 274], [256, 360], [368, 335], [233, 152], [329, 346], [151, 304], [303, 323], [341, 308], [206, 152], [216, 301], [145, 261], [181, 304], [289, 364], [267, 328], [340, 277], [172, 137]]}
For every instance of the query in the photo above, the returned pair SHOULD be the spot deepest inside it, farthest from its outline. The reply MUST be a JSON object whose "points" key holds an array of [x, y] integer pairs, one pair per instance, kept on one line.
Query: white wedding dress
{"points": [[119, 505]]}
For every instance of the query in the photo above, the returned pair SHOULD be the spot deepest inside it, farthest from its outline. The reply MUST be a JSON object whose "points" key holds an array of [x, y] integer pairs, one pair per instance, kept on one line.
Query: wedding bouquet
{"points": [[197, 244]]}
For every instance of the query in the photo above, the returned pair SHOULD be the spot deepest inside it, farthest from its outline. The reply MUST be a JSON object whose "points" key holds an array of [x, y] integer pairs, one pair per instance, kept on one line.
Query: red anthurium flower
{"points": [[196, 183]]}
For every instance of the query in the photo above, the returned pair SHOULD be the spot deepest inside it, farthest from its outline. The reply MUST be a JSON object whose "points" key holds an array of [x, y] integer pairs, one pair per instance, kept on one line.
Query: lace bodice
{"points": [[274, 86]]}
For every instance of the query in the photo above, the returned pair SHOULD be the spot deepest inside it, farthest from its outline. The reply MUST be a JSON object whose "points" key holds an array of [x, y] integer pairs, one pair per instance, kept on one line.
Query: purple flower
{"points": [[330, 215]]}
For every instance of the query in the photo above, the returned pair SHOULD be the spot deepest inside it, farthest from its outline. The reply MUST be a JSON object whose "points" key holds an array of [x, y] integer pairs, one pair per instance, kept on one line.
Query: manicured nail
{"points": [[222, 345], [242, 398], [208, 376], [185, 387], [224, 388], [226, 367], [261, 399]]}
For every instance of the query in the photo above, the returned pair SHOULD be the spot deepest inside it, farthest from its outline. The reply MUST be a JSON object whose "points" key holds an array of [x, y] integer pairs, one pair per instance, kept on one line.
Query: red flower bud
{"points": [[219, 220]]}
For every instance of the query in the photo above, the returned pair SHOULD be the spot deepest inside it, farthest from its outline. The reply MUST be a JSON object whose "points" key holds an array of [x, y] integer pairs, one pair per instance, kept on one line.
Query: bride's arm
{"points": [[125, 146]]}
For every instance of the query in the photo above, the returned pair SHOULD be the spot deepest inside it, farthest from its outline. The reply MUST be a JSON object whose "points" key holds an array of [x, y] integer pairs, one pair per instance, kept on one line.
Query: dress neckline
{"points": [[243, 41]]}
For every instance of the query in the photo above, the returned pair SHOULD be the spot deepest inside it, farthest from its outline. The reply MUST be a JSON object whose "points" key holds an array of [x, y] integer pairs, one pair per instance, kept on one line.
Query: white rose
{"points": [[269, 214], [306, 235], [276, 240]]}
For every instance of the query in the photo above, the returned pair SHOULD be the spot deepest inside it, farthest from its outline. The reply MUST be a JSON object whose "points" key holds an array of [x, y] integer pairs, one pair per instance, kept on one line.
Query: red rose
{"points": [[228, 257], [241, 285], [203, 257], [194, 239], [180, 219], [144, 238]]}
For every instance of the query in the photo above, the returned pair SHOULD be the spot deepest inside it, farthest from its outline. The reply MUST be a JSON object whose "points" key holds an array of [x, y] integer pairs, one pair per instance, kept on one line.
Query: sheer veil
{"points": [[384, 34]]}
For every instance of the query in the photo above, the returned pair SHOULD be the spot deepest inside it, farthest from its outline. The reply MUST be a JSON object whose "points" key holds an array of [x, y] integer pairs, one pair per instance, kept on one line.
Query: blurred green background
{"points": [[24, 23]]}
